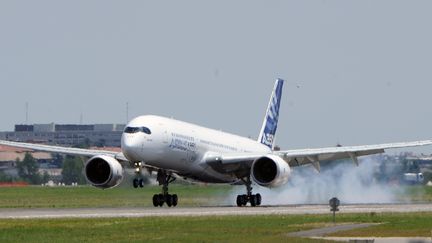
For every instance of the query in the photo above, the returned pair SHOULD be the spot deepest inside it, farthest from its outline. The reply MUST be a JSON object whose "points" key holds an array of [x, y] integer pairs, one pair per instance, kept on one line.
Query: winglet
{"points": [[268, 130]]}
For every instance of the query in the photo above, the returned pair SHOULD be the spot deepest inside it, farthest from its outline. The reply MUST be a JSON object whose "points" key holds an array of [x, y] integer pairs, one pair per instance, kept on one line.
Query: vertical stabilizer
{"points": [[268, 130]]}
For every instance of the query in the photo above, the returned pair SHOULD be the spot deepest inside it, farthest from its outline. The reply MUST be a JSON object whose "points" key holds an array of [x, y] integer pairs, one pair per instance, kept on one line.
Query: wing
{"points": [[241, 163], [65, 150], [306, 156]]}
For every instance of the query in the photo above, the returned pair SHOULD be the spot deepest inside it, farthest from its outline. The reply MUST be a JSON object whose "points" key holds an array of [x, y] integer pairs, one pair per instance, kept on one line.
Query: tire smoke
{"points": [[344, 180]]}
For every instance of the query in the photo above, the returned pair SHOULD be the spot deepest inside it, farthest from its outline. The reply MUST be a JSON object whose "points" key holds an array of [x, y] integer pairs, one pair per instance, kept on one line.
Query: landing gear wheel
{"points": [[160, 200], [258, 197], [175, 200], [239, 201], [135, 183], [164, 180], [155, 200], [168, 200], [242, 200], [253, 200], [141, 183]]}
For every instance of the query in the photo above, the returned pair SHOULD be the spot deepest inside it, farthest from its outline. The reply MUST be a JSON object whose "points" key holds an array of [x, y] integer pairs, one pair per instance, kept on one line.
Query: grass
{"points": [[394, 224], [418, 193], [86, 196], [183, 229], [204, 229], [190, 195]]}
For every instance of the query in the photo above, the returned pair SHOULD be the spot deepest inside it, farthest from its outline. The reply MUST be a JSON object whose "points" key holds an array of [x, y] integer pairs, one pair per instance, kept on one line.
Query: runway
{"points": [[20, 213]]}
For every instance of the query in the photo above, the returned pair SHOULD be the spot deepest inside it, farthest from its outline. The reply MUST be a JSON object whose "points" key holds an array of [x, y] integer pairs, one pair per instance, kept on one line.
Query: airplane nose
{"points": [[130, 146], [128, 141]]}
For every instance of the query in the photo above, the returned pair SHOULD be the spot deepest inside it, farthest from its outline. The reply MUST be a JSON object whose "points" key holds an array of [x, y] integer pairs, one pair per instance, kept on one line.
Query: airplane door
{"points": [[165, 136], [191, 154]]}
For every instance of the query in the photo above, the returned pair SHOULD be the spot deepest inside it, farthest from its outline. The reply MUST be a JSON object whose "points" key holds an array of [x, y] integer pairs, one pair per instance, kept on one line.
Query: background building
{"points": [[101, 135]]}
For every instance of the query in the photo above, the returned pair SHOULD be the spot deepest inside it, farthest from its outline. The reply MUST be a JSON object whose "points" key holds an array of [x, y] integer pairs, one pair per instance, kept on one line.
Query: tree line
{"points": [[28, 171]]}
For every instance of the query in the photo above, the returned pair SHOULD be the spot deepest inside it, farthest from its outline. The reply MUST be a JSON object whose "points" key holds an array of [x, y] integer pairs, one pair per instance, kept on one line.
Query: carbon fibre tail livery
{"points": [[268, 130]]}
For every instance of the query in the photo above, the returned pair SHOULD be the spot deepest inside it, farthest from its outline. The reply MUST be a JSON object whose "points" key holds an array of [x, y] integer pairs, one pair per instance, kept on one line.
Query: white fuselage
{"points": [[181, 147]]}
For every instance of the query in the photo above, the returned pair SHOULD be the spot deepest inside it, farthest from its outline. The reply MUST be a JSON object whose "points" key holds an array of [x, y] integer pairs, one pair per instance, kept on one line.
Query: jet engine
{"points": [[103, 171], [270, 171]]}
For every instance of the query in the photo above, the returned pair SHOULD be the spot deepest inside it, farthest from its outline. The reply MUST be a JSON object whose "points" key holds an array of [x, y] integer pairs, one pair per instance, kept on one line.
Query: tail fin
{"points": [[268, 130]]}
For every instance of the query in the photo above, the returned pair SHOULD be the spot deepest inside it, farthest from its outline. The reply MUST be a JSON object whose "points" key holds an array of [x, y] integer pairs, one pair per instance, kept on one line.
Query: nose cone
{"points": [[130, 146]]}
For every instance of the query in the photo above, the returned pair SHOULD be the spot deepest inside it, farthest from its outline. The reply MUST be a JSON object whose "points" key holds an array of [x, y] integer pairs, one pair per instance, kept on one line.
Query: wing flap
{"points": [[306, 156]]}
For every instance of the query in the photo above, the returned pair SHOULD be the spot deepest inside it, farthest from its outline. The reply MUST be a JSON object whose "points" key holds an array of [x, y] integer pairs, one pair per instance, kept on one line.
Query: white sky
{"points": [[364, 67]]}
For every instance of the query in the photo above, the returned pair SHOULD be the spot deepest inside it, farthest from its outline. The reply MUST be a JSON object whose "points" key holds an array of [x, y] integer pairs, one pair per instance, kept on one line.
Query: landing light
{"points": [[137, 169]]}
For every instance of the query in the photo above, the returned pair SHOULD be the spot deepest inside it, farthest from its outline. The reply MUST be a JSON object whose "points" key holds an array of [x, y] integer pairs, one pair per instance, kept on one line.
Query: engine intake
{"points": [[103, 171], [270, 171]]}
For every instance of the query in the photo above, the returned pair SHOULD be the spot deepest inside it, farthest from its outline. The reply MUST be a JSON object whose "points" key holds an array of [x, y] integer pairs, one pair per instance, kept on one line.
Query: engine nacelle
{"points": [[103, 171], [270, 171]]}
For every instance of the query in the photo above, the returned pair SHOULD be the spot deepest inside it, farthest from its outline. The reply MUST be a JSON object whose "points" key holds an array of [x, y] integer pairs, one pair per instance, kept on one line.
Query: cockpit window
{"points": [[145, 130], [132, 129]]}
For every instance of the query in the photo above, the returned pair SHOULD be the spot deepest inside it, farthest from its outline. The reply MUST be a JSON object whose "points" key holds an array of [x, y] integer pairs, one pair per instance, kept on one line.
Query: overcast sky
{"points": [[358, 72]]}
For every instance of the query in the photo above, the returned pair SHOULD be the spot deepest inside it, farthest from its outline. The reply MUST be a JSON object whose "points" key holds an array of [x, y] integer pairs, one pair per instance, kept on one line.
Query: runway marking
{"points": [[19, 213]]}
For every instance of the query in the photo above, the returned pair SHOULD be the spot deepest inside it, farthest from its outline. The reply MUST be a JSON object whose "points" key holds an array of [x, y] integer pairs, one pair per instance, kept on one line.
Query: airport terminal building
{"points": [[100, 135]]}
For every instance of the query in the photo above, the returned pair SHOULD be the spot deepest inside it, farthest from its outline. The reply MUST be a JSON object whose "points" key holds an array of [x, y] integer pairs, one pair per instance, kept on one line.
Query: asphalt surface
{"points": [[20, 213], [379, 239]]}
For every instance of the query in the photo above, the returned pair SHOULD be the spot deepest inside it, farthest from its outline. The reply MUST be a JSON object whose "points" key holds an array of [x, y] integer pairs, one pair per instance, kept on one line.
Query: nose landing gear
{"points": [[138, 182]]}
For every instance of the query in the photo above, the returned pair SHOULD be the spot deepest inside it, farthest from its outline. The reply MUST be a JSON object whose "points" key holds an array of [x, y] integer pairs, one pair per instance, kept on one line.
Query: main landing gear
{"points": [[159, 199], [253, 199]]}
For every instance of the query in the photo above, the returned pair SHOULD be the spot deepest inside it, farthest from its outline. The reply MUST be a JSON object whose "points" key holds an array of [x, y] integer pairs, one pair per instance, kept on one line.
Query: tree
{"points": [[5, 177], [45, 177], [100, 143], [28, 169], [85, 144], [72, 170]]}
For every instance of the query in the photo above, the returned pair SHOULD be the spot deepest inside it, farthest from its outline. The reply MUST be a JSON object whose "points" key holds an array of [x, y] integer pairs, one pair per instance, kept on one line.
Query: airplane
{"points": [[177, 149]]}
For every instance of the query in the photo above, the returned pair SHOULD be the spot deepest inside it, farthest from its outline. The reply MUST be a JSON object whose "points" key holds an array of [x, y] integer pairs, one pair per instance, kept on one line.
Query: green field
{"points": [[86, 196], [189, 195], [205, 229], [417, 194], [182, 229]]}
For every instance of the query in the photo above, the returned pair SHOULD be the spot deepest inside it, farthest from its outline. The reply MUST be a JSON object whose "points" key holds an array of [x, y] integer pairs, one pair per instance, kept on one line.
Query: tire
{"points": [[141, 183], [253, 200], [258, 196], [160, 200], [175, 200], [155, 200], [244, 200], [135, 183], [169, 200], [239, 200]]}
